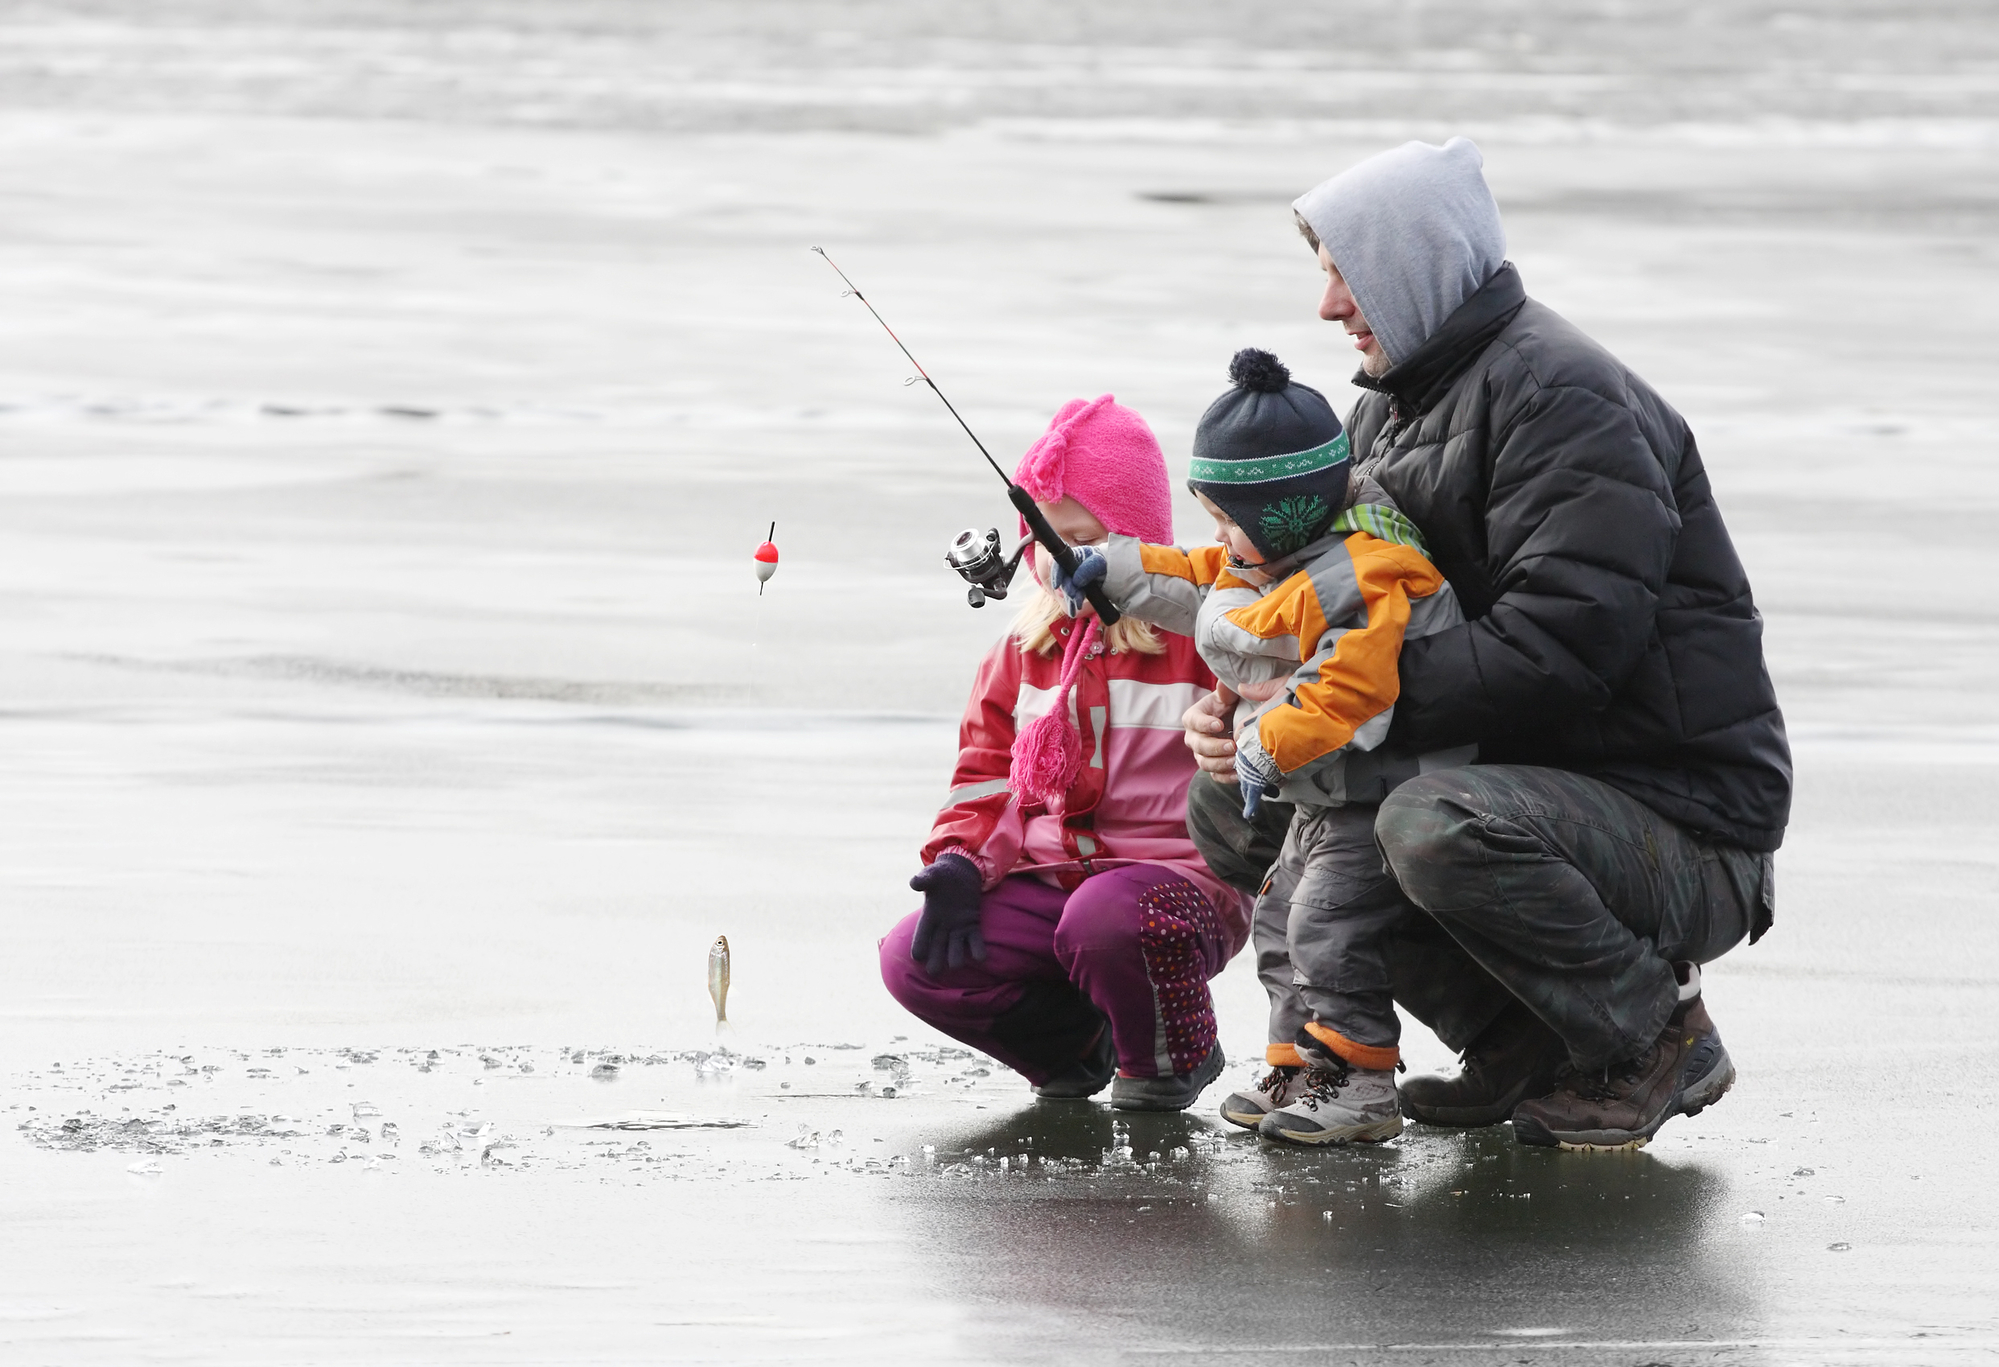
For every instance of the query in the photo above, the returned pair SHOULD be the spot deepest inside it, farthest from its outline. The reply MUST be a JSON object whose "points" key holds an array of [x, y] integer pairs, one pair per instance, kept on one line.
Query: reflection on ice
{"points": [[654, 1120]]}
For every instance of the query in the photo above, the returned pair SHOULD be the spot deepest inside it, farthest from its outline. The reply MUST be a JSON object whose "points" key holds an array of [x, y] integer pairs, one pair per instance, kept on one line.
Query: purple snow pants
{"points": [[1139, 940]]}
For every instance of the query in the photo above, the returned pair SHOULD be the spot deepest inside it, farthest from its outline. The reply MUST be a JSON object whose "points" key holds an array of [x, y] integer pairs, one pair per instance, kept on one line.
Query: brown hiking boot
{"points": [[1514, 1059], [1685, 1071]]}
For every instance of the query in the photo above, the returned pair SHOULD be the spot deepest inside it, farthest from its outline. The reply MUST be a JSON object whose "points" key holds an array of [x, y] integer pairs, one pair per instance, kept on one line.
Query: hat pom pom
{"points": [[1258, 371]]}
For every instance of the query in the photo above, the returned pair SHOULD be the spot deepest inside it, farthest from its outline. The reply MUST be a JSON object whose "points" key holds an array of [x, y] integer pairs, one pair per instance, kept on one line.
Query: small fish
{"points": [[718, 977]]}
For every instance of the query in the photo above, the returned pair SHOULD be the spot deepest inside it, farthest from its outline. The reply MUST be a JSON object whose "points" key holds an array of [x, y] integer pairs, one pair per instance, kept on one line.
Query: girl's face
{"points": [[1077, 525], [1235, 538]]}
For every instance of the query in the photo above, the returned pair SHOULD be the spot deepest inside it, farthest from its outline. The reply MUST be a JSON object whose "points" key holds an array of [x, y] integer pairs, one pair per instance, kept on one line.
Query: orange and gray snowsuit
{"points": [[1330, 632]]}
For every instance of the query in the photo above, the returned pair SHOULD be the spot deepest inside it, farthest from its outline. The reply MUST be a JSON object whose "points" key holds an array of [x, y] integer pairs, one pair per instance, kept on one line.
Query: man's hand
{"points": [[1207, 723]]}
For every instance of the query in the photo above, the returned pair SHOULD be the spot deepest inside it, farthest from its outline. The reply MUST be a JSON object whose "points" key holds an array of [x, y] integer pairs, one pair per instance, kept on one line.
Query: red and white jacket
{"points": [[1129, 802]]}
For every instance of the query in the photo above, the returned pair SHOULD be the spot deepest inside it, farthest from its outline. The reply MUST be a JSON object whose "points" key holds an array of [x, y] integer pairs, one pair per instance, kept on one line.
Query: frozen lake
{"points": [[389, 403]]}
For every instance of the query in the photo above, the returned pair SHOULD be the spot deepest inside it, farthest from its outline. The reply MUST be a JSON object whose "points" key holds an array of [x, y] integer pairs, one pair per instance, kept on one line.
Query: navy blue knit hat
{"points": [[1272, 456]]}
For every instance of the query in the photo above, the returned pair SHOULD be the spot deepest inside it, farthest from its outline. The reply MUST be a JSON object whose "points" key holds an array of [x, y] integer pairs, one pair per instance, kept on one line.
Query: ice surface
{"points": [[389, 397]]}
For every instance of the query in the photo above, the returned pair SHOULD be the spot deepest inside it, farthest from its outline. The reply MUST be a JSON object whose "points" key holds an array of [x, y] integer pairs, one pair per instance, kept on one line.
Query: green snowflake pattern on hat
{"points": [[1291, 522]]}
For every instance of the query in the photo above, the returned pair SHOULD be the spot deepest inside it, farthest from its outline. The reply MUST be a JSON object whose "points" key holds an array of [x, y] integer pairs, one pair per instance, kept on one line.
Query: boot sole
{"points": [[1693, 1099], [1073, 1091], [1379, 1132], [1249, 1120]]}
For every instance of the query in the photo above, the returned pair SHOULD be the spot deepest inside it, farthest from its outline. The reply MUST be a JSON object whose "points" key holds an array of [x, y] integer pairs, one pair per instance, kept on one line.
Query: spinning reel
{"points": [[976, 556]]}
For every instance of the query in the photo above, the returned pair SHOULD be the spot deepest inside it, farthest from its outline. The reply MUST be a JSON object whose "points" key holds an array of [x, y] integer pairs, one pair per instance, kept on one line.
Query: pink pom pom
{"points": [[1046, 757], [1048, 753]]}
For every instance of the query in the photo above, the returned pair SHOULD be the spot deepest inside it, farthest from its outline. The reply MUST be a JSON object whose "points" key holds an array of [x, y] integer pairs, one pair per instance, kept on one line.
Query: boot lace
{"points": [[1275, 1080], [1612, 1083], [1323, 1084]]}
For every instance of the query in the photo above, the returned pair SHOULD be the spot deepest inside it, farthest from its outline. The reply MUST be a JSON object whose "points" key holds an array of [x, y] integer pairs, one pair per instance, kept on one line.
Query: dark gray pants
{"points": [[1530, 884], [1321, 930]]}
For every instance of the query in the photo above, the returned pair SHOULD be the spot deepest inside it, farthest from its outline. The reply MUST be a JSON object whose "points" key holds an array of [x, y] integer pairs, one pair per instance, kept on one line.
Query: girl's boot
{"points": [[1085, 1077], [1175, 1092]]}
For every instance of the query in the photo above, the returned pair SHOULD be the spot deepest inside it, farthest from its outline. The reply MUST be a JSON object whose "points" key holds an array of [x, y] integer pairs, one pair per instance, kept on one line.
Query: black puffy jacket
{"points": [[1611, 627]]}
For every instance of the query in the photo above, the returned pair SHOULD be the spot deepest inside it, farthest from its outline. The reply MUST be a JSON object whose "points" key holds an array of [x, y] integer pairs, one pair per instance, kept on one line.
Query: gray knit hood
{"points": [[1414, 231]]}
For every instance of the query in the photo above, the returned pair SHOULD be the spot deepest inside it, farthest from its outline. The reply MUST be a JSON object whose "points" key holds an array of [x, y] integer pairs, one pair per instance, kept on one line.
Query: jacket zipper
{"points": [[1384, 440]]}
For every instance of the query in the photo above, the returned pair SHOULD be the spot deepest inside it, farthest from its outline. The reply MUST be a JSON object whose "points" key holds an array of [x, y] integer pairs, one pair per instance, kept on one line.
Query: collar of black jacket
{"points": [[1422, 379]]}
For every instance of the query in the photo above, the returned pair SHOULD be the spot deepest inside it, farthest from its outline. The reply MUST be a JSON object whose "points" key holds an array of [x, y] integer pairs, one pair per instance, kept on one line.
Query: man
{"points": [[1633, 773]]}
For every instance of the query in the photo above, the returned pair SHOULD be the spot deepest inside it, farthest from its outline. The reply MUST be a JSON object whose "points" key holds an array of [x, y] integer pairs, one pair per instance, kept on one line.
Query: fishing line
{"points": [[1023, 502], [921, 373]]}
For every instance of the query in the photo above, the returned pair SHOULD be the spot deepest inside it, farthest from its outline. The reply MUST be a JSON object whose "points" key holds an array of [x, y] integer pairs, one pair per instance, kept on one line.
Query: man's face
{"points": [[1339, 307]]}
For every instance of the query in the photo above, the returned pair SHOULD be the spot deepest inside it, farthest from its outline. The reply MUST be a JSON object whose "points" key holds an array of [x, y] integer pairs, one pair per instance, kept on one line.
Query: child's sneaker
{"points": [[1173, 1093], [1337, 1103], [1280, 1085]]}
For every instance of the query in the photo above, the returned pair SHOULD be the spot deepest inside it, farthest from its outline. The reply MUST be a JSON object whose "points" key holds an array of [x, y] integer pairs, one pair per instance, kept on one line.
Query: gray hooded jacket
{"points": [[1611, 630], [1414, 232]]}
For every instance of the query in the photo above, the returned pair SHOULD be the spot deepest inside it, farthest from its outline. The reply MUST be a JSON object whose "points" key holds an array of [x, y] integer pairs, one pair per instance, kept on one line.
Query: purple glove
{"points": [[948, 929]]}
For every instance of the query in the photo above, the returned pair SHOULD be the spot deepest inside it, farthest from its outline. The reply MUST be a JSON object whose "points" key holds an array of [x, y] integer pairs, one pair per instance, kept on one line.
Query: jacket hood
{"points": [[1414, 231]]}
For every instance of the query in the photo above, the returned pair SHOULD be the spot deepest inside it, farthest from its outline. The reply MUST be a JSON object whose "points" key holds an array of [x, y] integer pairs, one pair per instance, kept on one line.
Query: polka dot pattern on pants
{"points": [[1173, 919]]}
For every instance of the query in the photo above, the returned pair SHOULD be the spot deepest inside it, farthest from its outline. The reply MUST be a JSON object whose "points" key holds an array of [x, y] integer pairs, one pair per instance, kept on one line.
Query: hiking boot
{"points": [[1085, 1077], [1175, 1092], [1281, 1084], [1514, 1059], [1337, 1103], [1685, 1071]]}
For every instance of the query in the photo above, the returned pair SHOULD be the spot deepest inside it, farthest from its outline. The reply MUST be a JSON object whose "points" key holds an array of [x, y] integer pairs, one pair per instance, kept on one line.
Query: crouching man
{"points": [[1633, 774]]}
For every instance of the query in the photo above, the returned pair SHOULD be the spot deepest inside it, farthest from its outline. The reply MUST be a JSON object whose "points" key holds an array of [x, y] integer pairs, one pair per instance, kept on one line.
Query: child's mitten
{"points": [[1255, 771], [948, 930], [1090, 570]]}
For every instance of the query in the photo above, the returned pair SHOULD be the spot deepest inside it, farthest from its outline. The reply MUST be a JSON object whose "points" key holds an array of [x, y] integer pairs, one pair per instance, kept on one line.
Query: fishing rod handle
{"points": [[1064, 553]]}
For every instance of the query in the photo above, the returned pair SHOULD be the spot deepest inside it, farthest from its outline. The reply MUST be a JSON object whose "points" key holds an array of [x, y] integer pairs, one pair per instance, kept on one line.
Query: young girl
{"points": [[1069, 927]]}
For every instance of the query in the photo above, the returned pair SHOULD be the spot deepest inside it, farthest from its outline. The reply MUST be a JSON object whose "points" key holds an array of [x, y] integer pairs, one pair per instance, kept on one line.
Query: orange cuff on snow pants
{"points": [[1376, 1056]]}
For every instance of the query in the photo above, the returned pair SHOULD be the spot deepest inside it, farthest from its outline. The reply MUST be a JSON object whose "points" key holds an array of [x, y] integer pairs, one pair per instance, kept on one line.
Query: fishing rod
{"points": [[1023, 502]]}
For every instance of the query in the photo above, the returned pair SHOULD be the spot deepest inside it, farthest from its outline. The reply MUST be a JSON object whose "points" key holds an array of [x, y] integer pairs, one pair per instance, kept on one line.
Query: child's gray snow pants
{"points": [[1321, 936]]}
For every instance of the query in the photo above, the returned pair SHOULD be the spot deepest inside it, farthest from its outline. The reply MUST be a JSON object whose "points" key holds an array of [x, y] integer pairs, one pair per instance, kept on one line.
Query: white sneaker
{"points": [[1341, 1104], [1281, 1084]]}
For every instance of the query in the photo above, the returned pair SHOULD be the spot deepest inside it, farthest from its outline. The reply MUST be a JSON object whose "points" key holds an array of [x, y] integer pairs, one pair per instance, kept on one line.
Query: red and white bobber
{"points": [[766, 561]]}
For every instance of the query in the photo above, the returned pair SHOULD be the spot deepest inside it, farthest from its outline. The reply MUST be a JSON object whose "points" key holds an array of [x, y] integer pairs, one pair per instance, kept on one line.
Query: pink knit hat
{"points": [[1104, 456]]}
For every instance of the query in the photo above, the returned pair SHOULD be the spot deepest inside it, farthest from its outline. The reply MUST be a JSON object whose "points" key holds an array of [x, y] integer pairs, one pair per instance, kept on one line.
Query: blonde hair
{"points": [[1034, 627]]}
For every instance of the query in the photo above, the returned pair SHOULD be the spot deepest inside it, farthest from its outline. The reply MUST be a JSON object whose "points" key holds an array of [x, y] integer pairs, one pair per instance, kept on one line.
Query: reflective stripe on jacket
{"points": [[1129, 802], [1331, 631]]}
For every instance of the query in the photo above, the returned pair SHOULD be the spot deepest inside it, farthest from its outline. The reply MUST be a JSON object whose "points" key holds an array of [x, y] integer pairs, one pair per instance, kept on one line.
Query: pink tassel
{"points": [[1048, 753]]}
